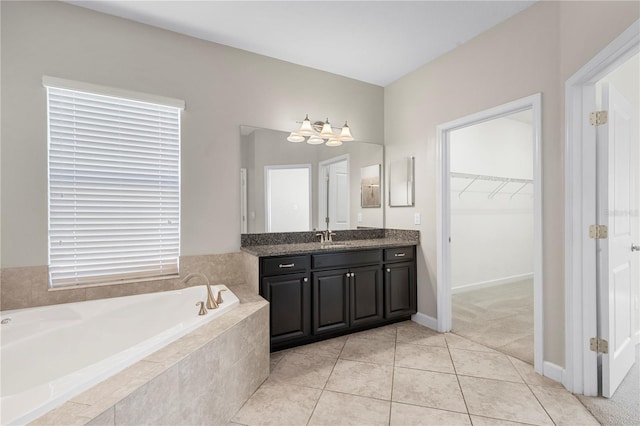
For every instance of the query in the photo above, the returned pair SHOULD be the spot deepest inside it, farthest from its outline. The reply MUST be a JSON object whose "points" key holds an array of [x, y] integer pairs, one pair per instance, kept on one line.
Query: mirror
{"points": [[290, 187], [401, 183]]}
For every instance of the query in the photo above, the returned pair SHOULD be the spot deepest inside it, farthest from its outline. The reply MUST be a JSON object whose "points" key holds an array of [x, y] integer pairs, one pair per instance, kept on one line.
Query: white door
{"points": [[287, 198], [617, 261], [334, 194]]}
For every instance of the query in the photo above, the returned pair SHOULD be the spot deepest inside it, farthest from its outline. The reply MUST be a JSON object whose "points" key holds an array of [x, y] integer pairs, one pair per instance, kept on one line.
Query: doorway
{"points": [[333, 192], [491, 199], [494, 187], [591, 286]]}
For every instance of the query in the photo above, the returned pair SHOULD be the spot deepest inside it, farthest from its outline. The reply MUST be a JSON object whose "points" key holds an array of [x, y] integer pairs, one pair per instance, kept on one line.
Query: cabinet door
{"points": [[366, 295], [290, 306], [400, 289], [330, 301]]}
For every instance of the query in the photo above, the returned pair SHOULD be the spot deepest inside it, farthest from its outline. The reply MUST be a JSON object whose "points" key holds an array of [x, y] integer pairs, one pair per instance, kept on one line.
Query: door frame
{"points": [[443, 211], [322, 189], [581, 370]]}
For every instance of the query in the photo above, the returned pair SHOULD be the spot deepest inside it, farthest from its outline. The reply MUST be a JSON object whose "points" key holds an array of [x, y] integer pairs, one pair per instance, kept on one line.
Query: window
{"points": [[114, 186]]}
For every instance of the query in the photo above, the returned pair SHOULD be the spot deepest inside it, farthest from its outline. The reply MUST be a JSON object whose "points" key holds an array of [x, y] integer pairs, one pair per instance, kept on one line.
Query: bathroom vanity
{"points": [[318, 291]]}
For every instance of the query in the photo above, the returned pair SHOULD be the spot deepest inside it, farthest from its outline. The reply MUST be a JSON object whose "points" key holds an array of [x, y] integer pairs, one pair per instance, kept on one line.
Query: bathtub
{"points": [[50, 354]]}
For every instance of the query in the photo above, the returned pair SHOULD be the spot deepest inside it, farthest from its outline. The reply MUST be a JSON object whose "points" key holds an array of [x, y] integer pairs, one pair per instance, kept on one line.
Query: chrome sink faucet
{"points": [[211, 301], [326, 236]]}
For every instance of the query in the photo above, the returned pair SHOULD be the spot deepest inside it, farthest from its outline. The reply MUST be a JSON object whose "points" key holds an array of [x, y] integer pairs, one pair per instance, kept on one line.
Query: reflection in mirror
{"points": [[370, 186], [401, 182], [289, 187]]}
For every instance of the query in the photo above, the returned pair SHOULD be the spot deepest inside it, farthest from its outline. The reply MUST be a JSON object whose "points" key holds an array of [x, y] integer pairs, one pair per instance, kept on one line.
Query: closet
{"points": [[492, 233]]}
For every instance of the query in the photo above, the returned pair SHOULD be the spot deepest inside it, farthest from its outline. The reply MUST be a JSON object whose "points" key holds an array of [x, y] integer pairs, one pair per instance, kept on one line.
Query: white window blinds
{"points": [[114, 189]]}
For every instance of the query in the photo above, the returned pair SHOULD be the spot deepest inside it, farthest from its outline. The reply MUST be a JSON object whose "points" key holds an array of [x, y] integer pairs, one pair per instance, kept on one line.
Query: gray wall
{"points": [[223, 88], [535, 51]]}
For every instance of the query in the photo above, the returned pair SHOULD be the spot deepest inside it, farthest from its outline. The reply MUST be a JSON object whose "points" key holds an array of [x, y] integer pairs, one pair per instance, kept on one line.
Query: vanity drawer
{"points": [[347, 258], [284, 265], [398, 253]]}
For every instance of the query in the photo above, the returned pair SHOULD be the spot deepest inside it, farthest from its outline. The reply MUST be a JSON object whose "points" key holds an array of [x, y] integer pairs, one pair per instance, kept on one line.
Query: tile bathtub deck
{"points": [[406, 374]]}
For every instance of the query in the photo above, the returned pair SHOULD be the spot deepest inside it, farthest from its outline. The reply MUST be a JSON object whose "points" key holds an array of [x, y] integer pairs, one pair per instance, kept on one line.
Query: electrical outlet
{"points": [[416, 218], [359, 217]]}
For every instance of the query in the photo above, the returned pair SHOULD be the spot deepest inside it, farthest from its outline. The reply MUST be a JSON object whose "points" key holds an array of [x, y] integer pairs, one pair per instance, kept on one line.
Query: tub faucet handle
{"points": [[203, 310], [219, 299]]}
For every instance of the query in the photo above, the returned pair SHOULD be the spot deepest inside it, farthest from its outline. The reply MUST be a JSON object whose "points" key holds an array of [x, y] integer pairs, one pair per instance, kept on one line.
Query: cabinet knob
{"points": [[388, 269], [353, 274], [305, 279], [347, 275], [400, 255], [288, 265]]}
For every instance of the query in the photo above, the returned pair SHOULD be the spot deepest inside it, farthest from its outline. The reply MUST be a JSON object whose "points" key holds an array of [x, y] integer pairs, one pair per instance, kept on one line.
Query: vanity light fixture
{"points": [[320, 132]]}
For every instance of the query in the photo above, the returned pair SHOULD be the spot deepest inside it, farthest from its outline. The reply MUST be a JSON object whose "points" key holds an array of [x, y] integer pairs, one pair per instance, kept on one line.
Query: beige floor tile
{"points": [[302, 370], [369, 350], [563, 407], [522, 348], [481, 364], [278, 405], [413, 415], [418, 335], [275, 359], [486, 421], [362, 379], [502, 400], [530, 376], [329, 348], [342, 409], [428, 389], [432, 358], [459, 342], [387, 332]]}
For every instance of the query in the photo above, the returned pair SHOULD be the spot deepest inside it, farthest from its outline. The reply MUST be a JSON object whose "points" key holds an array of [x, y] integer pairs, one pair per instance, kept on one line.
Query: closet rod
{"points": [[487, 177], [504, 181]]}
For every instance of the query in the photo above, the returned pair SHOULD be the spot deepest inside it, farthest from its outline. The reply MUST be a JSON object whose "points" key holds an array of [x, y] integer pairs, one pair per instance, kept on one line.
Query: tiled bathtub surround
{"points": [[274, 238], [202, 378], [28, 286]]}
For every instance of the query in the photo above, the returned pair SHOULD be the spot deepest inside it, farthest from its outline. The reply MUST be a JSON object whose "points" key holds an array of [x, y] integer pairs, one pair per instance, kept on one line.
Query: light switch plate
{"points": [[416, 218]]}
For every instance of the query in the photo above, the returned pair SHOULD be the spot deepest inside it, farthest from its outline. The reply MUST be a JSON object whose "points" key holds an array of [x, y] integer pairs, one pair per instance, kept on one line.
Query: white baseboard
{"points": [[491, 283], [425, 320], [553, 371]]}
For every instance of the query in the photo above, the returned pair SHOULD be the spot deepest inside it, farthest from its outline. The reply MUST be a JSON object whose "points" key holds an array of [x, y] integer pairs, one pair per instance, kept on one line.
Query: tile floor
{"points": [[500, 317], [406, 374]]}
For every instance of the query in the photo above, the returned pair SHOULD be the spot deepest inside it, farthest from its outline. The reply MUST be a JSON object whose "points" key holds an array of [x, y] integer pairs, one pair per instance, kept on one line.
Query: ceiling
{"points": [[373, 41]]}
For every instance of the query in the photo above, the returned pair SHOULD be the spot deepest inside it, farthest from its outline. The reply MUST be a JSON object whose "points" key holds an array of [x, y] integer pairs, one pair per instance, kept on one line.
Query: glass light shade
{"points": [[305, 128], [295, 137], [334, 142], [345, 133], [326, 132], [315, 140]]}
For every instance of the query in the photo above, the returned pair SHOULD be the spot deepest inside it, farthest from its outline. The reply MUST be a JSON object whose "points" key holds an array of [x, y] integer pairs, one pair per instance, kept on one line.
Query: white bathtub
{"points": [[50, 354]]}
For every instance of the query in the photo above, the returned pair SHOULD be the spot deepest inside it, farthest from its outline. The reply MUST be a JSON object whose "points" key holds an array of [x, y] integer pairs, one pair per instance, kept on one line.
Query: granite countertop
{"points": [[316, 247]]}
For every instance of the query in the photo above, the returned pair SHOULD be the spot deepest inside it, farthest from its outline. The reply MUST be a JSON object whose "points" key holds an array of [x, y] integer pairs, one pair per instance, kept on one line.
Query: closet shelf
{"points": [[504, 181]]}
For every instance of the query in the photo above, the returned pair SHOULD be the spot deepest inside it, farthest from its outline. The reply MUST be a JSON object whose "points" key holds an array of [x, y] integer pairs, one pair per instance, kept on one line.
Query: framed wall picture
{"points": [[370, 186]]}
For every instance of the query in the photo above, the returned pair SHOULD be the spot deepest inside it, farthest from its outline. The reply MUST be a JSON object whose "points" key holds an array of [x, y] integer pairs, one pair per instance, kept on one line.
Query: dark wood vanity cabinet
{"points": [[330, 301], [290, 306], [366, 296], [322, 295], [399, 282]]}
